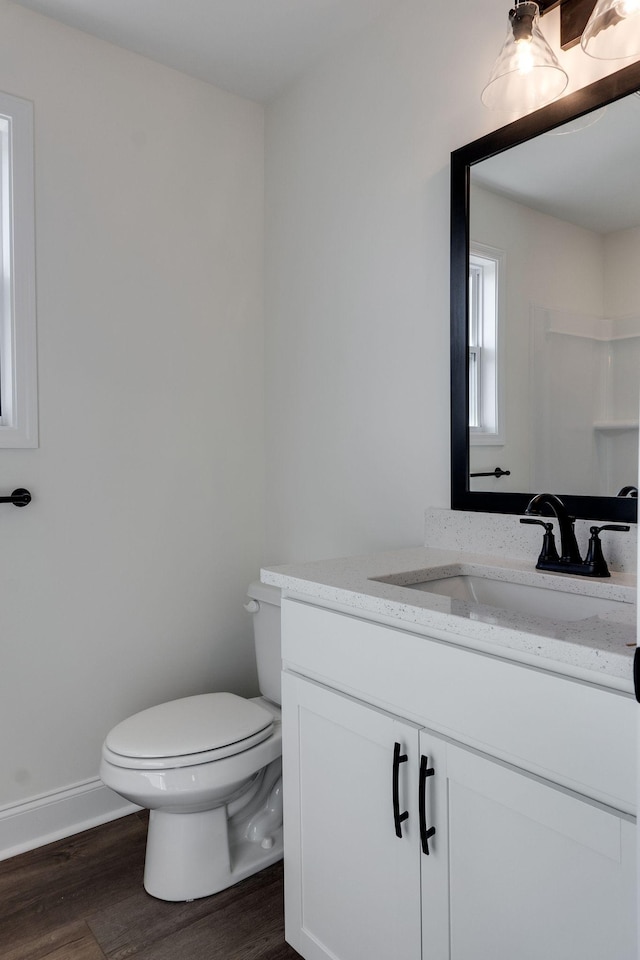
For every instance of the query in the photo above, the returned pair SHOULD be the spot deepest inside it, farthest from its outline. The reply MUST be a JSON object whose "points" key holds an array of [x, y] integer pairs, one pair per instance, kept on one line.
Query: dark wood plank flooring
{"points": [[83, 899]]}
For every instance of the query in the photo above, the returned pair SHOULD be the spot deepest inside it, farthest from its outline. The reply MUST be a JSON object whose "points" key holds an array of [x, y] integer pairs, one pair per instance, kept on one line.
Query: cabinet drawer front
{"points": [[570, 732]]}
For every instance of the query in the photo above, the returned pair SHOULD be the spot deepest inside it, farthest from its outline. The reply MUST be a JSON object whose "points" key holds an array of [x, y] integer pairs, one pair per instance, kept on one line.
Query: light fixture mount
{"points": [[574, 16]]}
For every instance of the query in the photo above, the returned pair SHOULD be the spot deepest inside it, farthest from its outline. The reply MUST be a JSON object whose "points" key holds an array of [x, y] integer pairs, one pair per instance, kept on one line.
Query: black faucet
{"points": [[570, 560], [569, 552]]}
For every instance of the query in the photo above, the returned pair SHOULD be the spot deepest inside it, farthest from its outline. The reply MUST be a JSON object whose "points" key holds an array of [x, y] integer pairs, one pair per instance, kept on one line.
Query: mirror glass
{"points": [[549, 393]]}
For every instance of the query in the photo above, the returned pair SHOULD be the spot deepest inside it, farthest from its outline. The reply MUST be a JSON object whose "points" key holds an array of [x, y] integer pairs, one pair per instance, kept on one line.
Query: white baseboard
{"points": [[54, 816]]}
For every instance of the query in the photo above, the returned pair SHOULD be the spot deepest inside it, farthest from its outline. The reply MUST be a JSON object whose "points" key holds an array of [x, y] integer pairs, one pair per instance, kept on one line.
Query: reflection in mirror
{"points": [[569, 309], [550, 246]]}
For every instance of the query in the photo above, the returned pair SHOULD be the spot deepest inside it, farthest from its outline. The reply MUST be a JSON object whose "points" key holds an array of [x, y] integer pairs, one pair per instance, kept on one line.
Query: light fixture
{"points": [[526, 74], [613, 30]]}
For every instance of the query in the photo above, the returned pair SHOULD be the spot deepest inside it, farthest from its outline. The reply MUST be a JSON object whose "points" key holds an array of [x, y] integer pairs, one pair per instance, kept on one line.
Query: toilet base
{"points": [[193, 855]]}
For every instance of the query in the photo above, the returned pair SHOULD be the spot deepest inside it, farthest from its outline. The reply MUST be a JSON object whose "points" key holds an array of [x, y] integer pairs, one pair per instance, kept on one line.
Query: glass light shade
{"points": [[526, 74], [613, 30]]}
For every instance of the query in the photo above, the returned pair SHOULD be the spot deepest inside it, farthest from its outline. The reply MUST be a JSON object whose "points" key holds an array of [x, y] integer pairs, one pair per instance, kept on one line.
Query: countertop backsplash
{"points": [[503, 535]]}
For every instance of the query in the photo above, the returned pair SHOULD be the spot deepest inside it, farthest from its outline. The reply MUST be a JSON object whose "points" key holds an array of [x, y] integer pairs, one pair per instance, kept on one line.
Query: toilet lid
{"points": [[190, 725]]}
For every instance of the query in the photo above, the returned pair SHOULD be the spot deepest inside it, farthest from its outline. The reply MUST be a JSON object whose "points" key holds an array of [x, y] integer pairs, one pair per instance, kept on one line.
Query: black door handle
{"points": [[425, 832], [398, 817]]}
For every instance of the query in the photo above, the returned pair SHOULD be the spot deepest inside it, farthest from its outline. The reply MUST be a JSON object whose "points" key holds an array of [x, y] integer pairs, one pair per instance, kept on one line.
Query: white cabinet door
{"points": [[534, 872], [352, 886]]}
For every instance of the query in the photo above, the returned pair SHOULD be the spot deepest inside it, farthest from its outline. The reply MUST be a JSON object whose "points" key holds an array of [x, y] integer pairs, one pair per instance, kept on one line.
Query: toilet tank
{"points": [[264, 605]]}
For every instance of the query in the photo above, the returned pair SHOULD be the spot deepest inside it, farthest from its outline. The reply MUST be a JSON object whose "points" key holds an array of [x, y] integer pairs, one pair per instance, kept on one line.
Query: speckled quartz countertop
{"points": [[597, 648]]}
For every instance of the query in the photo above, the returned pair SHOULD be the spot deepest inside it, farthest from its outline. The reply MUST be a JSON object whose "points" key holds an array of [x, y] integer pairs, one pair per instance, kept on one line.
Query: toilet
{"points": [[209, 770]]}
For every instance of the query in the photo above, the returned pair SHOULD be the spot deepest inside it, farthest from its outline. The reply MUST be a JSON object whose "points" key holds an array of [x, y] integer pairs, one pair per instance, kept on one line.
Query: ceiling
{"points": [[589, 176], [254, 48]]}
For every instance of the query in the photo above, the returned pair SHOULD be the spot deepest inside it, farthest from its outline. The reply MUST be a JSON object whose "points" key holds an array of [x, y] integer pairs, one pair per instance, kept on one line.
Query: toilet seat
{"points": [[189, 731]]}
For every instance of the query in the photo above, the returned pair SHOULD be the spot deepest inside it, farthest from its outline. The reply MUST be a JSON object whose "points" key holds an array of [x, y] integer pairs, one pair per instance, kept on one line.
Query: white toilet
{"points": [[209, 769]]}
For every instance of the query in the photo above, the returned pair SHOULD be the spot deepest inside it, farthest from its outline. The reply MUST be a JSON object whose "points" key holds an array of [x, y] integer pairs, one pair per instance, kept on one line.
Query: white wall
{"points": [[357, 275], [121, 584], [622, 255]]}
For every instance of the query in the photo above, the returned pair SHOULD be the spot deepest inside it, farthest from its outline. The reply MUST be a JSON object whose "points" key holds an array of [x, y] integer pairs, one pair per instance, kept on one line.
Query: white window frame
{"points": [[485, 347], [18, 357]]}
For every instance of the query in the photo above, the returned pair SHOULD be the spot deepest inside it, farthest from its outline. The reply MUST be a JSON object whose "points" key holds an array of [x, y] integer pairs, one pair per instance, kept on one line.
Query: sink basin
{"points": [[524, 598]]}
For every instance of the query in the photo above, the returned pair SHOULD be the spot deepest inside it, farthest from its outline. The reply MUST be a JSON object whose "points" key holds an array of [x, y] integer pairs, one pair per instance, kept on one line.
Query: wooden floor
{"points": [[83, 899]]}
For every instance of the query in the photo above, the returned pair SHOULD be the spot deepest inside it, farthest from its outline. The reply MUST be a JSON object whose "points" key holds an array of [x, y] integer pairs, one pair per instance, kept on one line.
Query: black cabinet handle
{"points": [[425, 833], [636, 674], [398, 817]]}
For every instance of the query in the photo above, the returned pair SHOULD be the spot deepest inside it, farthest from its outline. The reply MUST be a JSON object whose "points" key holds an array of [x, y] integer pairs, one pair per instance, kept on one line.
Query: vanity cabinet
{"points": [[521, 863]]}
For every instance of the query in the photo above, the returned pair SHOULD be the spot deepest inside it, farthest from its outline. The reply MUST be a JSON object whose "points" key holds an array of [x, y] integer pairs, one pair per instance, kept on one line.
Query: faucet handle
{"points": [[610, 526], [595, 558], [549, 552]]}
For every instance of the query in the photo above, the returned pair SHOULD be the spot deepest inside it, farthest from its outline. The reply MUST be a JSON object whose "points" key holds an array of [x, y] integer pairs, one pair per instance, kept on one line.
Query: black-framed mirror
{"points": [[563, 418]]}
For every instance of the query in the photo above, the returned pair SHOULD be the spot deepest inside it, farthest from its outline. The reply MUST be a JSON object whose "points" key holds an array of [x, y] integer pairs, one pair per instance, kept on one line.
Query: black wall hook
{"points": [[19, 498]]}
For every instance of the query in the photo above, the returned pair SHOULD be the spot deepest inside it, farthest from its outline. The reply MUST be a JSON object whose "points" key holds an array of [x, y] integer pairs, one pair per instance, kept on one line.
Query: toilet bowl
{"points": [[209, 770]]}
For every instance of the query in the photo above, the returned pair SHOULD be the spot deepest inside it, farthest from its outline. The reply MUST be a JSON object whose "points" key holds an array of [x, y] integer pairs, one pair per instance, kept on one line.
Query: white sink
{"points": [[524, 598]]}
